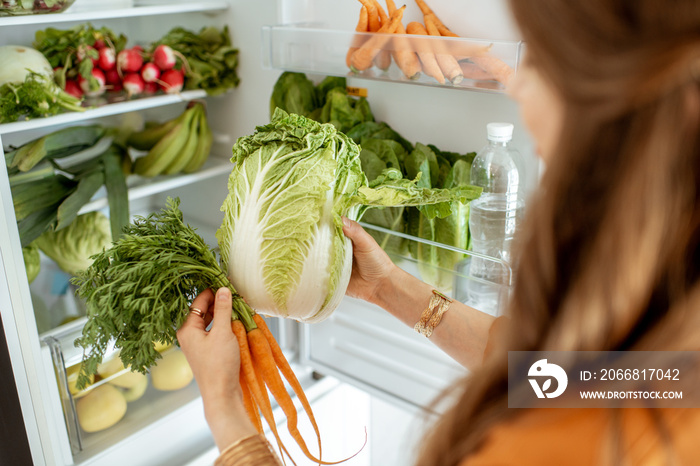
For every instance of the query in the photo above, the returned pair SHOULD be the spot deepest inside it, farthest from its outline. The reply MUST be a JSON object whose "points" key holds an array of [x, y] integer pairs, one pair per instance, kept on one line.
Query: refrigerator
{"points": [[370, 378]]}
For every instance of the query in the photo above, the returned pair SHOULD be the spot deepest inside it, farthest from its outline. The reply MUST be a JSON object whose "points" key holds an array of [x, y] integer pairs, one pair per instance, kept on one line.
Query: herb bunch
{"points": [[138, 291]]}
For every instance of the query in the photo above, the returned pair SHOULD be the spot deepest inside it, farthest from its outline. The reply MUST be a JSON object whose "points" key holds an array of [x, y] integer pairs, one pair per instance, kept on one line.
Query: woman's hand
{"points": [[371, 266], [215, 361]]}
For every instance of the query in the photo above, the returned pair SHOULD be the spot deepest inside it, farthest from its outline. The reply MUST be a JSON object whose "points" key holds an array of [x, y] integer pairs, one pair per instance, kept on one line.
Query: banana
{"points": [[203, 148], [149, 137], [165, 150], [188, 150]]}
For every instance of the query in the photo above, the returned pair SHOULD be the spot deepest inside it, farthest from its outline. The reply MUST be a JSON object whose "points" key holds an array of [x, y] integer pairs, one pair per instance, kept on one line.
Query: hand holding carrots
{"points": [[215, 361]]}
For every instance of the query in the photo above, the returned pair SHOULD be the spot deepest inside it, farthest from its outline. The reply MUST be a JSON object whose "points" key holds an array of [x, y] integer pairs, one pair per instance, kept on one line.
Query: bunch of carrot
{"points": [[434, 59], [262, 362]]}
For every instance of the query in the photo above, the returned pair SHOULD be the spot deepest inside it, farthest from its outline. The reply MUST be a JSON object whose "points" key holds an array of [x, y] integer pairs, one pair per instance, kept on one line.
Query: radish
{"points": [[99, 43], [106, 60], [150, 88], [73, 88], [129, 60], [150, 72], [164, 57], [112, 76], [85, 84], [133, 84], [84, 51], [172, 81], [116, 87]]}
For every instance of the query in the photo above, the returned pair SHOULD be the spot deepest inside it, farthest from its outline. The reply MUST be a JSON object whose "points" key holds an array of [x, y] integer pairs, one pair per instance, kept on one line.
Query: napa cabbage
{"points": [[281, 240]]}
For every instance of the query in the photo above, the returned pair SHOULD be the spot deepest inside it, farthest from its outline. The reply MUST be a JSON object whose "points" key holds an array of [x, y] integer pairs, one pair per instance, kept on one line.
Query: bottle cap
{"points": [[499, 132]]}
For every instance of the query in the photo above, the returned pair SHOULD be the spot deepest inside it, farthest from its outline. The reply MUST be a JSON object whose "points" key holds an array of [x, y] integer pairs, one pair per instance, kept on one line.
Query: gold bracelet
{"points": [[254, 450], [438, 305]]}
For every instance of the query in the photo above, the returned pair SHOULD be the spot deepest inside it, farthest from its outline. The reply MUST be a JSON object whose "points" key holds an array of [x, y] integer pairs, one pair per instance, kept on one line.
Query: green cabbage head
{"points": [[281, 240], [72, 246]]}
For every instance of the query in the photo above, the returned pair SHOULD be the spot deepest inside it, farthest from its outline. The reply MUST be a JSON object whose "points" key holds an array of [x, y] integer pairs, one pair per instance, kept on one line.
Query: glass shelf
{"points": [[323, 51], [84, 11], [116, 108]]}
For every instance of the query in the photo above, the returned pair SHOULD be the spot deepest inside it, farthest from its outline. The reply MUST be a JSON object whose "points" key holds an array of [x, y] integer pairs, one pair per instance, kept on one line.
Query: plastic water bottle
{"points": [[494, 217]]}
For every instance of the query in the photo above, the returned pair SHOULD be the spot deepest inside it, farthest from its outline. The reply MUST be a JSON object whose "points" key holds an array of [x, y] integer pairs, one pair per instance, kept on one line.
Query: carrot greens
{"points": [[138, 291]]}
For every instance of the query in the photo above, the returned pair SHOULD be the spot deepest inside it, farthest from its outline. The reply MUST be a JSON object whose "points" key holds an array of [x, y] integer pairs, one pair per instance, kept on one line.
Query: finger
{"points": [[202, 302], [361, 240], [222, 310]]}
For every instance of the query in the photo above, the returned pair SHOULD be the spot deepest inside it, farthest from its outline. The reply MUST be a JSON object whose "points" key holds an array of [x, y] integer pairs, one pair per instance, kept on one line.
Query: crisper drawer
{"points": [[366, 346], [120, 405]]}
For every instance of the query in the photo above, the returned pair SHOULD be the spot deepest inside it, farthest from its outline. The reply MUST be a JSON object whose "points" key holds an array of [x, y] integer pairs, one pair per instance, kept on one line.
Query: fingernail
{"points": [[223, 292], [346, 222]]}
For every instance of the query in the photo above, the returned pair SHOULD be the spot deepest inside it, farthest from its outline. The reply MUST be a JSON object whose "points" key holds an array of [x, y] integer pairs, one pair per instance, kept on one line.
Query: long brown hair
{"points": [[610, 253]]}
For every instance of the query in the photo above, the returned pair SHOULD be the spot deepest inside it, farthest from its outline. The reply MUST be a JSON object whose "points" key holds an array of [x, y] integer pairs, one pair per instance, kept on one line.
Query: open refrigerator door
{"points": [[362, 367]]}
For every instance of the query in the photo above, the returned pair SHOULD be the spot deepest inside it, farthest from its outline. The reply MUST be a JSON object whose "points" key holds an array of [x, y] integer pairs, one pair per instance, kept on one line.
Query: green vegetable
{"points": [[281, 240], [328, 102], [72, 247], [38, 96], [138, 291], [211, 58], [32, 261], [374, 130]]}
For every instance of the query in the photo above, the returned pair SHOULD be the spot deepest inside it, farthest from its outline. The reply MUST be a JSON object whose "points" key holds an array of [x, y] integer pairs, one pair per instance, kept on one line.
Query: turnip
{"points": [[89, 88], [164, 57], [150, 72], [133, 83], [172, 81], [129, 60], [17, 61], [107, 60]]}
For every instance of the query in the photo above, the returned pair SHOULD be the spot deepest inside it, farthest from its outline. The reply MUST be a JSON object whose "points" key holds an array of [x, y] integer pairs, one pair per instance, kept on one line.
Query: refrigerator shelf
{"points": [[140, 187], [98, 10], [103, 110], [307, 49]]}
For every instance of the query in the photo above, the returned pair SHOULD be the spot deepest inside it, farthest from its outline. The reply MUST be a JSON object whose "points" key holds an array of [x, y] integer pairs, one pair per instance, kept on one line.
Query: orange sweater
{"points": [[586, 437]]}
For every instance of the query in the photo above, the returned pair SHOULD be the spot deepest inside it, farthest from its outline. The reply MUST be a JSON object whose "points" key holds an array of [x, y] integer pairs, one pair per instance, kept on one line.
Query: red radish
{"points": [[85, 84], [112, 76], [99, 43], [83, 53], [107, 60], [172, 81], [133, 83], [129, 60], [116, 87], [150, 88], [150, 72], [73, 88], [164, 57]]}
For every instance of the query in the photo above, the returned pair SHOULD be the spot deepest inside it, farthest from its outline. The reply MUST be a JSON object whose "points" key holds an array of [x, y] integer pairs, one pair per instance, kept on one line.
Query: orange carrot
{"points": [[383, 58], [426, 55], [252, 380], [374, 22], [288, 373], [425, 9], [471, 71], [405, 58], [500, 71], [250, 406], [362, 26], [363, 57], [448, 63]]}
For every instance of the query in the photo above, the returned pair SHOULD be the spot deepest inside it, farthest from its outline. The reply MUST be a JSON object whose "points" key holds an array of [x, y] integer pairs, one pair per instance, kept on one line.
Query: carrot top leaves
{"points": [[138, 291]]}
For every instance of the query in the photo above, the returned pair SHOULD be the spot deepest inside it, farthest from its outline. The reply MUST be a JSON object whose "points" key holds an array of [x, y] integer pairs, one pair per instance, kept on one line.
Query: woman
{"points": [[610, 257]]}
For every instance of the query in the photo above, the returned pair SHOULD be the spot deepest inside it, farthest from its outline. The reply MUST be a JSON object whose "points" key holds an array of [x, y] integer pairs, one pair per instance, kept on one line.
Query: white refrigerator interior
{"points": [[379, 374]]}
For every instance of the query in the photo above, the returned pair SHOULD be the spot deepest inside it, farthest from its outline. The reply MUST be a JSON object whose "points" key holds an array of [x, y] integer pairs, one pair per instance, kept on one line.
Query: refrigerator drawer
{"points": [[118, 403]]}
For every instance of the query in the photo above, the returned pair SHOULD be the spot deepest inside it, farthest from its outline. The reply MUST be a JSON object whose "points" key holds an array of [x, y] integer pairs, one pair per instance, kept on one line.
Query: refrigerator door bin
{"points": [[323, 51], [365, 346]]}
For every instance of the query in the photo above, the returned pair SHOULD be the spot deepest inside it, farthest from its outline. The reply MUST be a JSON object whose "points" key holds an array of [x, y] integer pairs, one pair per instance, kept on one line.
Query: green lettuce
{"points": [[281, 240]]}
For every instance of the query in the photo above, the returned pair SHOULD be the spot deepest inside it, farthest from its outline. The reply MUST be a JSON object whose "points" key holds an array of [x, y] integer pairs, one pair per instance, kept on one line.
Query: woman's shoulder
{"points": [[593, 436]]}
